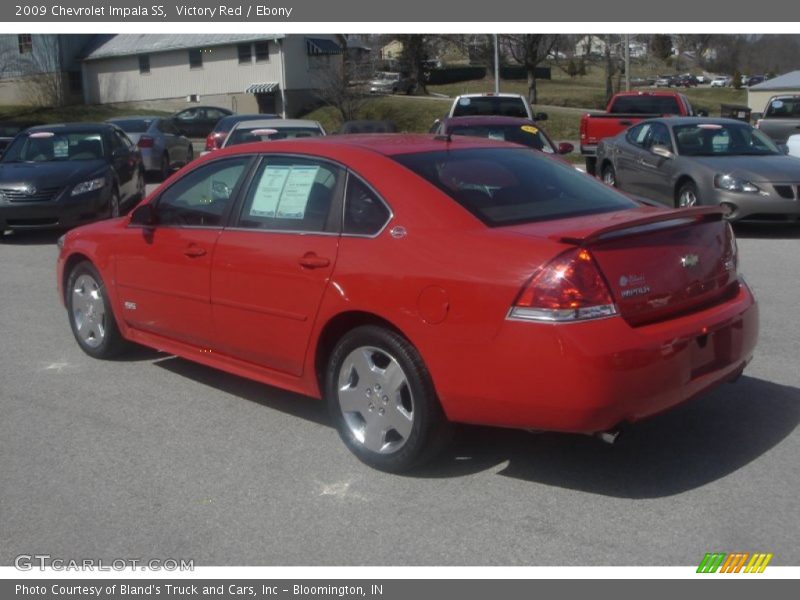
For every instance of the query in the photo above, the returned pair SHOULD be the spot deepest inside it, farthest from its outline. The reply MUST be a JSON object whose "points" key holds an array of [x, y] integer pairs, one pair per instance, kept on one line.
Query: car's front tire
{"points": [[382, 400], [90, 314], [687, 195], [609, 175]]}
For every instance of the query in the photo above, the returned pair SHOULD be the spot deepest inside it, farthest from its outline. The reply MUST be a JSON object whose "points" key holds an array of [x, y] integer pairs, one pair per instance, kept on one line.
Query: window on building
{"points": [[144, 64], [25, 43], [195, 58], [75, 81], [262, 51], [245, 54]]}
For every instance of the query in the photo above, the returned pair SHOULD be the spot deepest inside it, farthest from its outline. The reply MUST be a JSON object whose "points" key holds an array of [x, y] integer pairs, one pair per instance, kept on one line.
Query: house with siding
{"points": [[41, 69], [243, 72]]}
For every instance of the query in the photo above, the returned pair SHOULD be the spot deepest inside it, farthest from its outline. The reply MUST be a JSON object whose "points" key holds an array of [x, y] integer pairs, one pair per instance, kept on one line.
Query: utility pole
{"points": [[627, 63], [496, 66]]}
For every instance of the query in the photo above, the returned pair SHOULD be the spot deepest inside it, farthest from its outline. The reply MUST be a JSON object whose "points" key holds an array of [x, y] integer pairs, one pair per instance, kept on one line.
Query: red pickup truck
{"points": [[623, 110]]}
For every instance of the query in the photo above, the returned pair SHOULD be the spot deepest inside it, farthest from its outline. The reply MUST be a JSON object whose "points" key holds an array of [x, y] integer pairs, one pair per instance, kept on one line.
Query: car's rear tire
{"points": [[591, 165], [165, 169], [609, 175], [687, 195], [113, 204], [90, 314], [382, 400], [140, 186]]}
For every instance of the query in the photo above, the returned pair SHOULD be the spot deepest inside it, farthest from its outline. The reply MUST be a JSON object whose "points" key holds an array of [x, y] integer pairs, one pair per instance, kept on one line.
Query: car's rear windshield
{"points": [[646, 105], [265, 134], [784, 108], [134, 125], [508, 186], [490, 105], [526, 135]]}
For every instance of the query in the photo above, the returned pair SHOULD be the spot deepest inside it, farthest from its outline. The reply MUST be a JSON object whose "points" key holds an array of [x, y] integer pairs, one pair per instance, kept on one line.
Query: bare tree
{"points": [[342, 86], [530, 50], [412, 60], [42, 81]]}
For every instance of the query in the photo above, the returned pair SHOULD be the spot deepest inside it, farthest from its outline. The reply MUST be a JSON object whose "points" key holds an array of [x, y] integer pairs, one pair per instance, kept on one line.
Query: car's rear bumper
{"points": [[63, 212], [592, 376]]}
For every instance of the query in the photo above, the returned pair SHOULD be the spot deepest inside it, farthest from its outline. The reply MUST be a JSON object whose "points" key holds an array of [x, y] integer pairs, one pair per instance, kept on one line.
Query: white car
{"points": [[501, 105], [793, 144], [720, 81], [265, 130]]}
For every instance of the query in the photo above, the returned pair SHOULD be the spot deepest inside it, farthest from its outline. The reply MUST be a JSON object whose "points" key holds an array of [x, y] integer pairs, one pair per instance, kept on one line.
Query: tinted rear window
{"points": [[646, 105], [490, 105], [134, 125], [507, 186], [526, 135], [784, 108]]}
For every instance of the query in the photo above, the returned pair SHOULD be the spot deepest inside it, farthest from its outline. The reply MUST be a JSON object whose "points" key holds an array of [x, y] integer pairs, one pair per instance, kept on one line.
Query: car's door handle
{"points": [[311, 261], [193, 251]]}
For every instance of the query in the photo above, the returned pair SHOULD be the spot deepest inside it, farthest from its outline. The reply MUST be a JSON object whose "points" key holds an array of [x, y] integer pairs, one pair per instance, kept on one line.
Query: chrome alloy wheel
{"points": [[88, 311], [376, 400], [687, 198], [609, 177]]}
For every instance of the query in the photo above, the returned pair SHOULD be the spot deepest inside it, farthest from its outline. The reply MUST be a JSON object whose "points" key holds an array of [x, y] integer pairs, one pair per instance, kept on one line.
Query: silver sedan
{"points": [[687, 161], [162, 146]]}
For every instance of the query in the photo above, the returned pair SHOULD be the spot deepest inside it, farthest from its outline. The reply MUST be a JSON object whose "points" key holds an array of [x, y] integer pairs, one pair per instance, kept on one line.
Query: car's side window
{"points": [[291, 194], [119, 141], [660, 136], [200, 198], [638, 135], [364, 212]]}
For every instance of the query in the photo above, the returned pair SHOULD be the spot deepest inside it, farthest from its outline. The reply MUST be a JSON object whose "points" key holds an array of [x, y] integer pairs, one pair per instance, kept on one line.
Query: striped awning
{"points": [[321, 46], [262, 88]]}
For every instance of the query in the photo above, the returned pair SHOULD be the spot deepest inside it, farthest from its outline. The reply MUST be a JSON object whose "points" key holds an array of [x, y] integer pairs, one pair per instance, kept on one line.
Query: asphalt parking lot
{"points": [[154, 457]]}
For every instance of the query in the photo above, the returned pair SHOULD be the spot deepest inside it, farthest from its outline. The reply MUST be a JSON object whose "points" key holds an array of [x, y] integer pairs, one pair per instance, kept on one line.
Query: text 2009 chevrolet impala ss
{"points": [[416, 281]]}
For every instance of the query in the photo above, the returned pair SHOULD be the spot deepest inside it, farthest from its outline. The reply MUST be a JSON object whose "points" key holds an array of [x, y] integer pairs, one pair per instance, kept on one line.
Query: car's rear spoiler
{"points": [[639, 225]]}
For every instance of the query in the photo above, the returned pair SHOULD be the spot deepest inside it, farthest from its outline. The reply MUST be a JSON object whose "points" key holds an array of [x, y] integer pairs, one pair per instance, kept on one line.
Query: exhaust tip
{"points": [[608, 437]]}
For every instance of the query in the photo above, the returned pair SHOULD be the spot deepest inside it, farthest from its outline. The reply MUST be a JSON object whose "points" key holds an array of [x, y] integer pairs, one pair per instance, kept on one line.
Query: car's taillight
{"points": [[145, 142], [211, 141], [569, 288]]}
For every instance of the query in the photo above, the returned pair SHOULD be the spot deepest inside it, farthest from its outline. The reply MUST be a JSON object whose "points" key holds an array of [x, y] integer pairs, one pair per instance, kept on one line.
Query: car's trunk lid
{"points": [[660, 264]]}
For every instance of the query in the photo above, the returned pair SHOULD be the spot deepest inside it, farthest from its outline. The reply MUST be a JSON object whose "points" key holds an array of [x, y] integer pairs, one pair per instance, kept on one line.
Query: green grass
{"points": [[66, 114]]}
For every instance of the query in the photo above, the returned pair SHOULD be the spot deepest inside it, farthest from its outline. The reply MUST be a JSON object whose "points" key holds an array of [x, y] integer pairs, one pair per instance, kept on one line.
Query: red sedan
{"points": [[416, 281]]}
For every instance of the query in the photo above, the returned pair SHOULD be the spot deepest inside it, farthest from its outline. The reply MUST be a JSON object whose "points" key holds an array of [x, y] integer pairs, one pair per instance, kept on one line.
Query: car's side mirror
{"points": [[661, 151], [540, 116], [565, 148], [144, 215]]}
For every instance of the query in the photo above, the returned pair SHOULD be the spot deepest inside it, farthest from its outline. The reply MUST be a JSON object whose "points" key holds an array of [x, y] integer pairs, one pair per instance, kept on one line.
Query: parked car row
{"points": [[304, 261]]}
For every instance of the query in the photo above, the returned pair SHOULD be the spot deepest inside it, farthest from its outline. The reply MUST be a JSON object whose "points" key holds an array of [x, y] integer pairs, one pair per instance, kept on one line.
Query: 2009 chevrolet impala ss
{"points": [[416, 281]]}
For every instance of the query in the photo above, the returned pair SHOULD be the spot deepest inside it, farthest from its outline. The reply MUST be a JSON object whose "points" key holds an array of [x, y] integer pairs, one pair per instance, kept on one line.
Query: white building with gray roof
{"points": [[243, 72], [759, 95]]}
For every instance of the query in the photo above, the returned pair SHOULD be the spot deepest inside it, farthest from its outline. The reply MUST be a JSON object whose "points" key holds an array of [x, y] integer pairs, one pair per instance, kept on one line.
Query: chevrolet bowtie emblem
{"points": [[689, 261]]}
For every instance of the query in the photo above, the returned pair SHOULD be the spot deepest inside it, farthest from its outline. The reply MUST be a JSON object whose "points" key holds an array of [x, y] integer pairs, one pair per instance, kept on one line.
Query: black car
{"points": [[59, 176], [9, 129], [198, 121]]}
